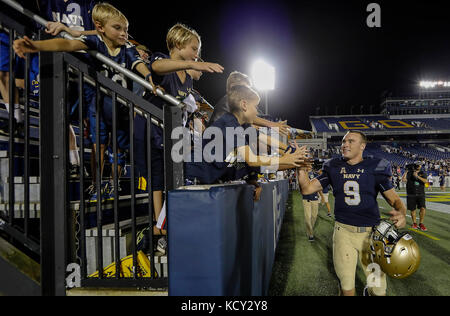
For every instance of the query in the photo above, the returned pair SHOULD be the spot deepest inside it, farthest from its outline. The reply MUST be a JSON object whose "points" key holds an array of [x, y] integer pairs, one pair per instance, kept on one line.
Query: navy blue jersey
{"points": [[356, 188], [228, 167], [127, 57], [76, 14], [171, 82]]}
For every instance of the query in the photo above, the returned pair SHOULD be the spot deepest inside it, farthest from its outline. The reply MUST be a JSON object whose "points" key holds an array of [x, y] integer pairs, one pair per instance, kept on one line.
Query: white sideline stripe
{"points": [[438, 207]]}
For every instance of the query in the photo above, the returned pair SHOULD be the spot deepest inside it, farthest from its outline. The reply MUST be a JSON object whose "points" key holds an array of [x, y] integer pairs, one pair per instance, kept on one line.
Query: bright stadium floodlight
{"points": [[263, 76], [434, 84]]}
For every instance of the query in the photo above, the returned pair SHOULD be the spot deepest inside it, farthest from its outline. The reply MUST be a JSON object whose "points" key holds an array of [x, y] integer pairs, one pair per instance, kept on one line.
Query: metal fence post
{"points": [[173, 171], [53, 127]]}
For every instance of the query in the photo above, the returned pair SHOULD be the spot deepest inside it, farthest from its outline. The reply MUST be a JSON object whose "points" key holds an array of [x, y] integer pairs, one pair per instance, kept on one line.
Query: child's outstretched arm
{"points": [[166, 66], [288, 161], [26, 45]]}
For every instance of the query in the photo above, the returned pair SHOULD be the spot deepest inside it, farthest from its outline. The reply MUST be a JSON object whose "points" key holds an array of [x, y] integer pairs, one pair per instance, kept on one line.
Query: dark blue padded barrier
{"points": [[222, 243]]}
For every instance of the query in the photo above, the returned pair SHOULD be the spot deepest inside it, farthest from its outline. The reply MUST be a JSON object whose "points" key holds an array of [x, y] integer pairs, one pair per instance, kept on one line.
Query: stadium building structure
{"points": [[409, 128]]}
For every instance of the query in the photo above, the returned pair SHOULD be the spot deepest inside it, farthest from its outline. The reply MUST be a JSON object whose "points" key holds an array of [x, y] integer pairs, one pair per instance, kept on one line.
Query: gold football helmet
{"points": [[396, 253]]}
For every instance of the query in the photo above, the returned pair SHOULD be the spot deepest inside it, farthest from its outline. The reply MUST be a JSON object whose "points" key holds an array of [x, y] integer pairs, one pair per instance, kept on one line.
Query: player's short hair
{"points": [[238, 78], [363, 136], [179, 35], [103, 12], [238, 93]]}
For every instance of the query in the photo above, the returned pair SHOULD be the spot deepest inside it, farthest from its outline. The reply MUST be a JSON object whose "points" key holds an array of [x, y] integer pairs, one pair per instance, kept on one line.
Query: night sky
{"points": [[327, 59]]}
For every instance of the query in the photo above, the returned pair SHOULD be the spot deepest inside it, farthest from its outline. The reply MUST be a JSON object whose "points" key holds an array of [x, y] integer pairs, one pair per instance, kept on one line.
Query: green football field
{"points": [[304, 268]]}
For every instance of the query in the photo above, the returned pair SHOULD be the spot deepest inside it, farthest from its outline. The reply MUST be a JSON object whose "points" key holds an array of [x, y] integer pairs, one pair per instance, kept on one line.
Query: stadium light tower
{"points": [[263, 76]]}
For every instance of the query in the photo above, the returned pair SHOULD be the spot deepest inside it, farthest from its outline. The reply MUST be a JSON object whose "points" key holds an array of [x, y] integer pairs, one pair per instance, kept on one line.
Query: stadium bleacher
{"points": [[378, 123]]}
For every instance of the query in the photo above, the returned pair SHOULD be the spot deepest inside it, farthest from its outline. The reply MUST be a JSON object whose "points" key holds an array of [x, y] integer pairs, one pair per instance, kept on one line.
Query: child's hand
{"points": [[295, 158], [257, 193], [23, 46], [283, 128], [153, 86], [159, 88], [207, 67], [54, 28]]}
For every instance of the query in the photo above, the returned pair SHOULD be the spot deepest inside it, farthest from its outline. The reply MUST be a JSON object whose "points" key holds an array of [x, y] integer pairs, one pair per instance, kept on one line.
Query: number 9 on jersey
{"points": [[351, 190]]}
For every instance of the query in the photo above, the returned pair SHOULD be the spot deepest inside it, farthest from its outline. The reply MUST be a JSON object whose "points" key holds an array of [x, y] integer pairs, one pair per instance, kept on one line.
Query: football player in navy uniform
{"points": [[310, 209], [356, 182]]}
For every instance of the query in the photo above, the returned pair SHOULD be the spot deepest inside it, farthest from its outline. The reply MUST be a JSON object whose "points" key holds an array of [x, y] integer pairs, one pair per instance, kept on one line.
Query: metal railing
{"points": [[65, 215], [166, 97]]}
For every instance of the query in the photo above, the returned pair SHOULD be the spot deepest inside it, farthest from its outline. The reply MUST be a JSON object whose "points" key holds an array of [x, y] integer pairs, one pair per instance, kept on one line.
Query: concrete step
{"points": [[125, 245]]}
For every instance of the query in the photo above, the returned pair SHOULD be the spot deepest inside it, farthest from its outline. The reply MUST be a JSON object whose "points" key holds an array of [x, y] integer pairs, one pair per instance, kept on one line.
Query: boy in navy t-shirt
{"points": [[4, 82], [4, 72], [75, 18], [111, 41], [238, 157], [169, 71]]}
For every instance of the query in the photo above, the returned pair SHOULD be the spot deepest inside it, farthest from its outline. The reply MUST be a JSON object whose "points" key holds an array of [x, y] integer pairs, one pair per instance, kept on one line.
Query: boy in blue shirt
{"points": [[170, 73], [4, 82], [238, 159], [75, 18], [4, 74], [111, 41]]}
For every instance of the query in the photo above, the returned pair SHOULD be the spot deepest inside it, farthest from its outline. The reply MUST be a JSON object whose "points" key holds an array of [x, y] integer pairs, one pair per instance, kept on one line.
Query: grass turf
{"points": [[304, 268]]}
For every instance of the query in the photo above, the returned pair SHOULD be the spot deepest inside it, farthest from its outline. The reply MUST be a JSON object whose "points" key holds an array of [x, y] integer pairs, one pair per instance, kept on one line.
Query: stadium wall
{"points": [[222, 243]]}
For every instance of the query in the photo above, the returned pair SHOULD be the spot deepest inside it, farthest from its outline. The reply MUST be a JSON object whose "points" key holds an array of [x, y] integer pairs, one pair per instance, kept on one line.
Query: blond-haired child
{"points": [[169, 71], [111, 41]]}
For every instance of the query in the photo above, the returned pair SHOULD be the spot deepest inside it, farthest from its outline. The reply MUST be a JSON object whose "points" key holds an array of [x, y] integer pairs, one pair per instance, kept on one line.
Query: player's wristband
{"points": [[148, 76]]}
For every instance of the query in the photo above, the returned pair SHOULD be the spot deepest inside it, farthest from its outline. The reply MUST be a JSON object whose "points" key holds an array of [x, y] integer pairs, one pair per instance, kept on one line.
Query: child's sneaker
{"points": [[162, 245], [142, 240], [414, 226], [93, 195], [111, 192], [74, 171]]}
